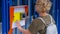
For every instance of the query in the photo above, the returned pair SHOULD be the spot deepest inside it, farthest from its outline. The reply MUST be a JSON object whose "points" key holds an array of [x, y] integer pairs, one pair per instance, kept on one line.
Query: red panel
{"points": [[11, 19], [26, 10]]}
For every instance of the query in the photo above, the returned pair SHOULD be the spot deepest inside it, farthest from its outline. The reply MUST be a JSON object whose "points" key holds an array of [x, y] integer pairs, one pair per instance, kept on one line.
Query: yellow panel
{"points": [[17, 16]]}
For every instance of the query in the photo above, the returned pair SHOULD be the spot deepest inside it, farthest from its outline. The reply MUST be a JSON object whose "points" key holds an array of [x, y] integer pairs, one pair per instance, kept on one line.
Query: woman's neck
{"points": [[43, 14]]}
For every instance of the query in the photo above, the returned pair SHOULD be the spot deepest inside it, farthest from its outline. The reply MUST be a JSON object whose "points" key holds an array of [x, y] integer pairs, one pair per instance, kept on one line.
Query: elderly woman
{"points": [[37, 25]]}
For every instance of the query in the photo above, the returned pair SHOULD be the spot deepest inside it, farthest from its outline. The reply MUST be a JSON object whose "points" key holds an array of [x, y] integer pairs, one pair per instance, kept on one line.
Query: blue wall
{"points": [[58, 6], [0, 11]]}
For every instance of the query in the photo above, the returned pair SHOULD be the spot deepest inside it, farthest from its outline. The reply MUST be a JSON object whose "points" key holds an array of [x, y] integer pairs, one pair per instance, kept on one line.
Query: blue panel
{"points": [[21, 2], [15, 30], [55, 13], [14, 2], [59, 22], [10, 3], [0, 11], [30, 9], [6, 16], [26, 2], [3, 16], [58, 2], [58, 6]]}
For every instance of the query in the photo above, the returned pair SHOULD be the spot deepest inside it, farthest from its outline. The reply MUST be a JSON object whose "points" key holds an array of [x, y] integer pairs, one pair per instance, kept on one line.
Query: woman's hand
{"points": [[18, 24], [21, 29]]}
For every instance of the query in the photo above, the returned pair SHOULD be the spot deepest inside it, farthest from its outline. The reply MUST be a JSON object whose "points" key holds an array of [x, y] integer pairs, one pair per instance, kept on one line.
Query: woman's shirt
{"points": [[38, 26]]}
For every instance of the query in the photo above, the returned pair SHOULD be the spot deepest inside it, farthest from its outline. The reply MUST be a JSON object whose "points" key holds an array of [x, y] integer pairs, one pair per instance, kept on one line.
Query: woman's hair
{"points": [[44, 5]]}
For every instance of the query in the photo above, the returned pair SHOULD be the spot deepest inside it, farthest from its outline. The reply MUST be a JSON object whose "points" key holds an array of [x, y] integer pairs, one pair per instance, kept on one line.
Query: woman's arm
{"points": [[21, 29], [34, 27]]}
